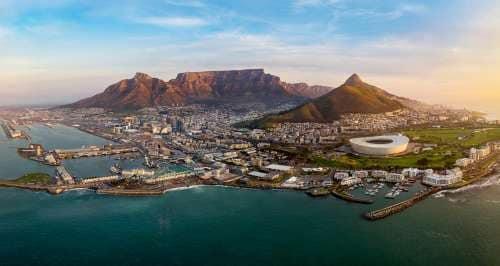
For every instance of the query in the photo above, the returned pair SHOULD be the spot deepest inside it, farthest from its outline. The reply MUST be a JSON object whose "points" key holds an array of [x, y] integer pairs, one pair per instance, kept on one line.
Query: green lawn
{"points": [[463, 137], [452, 144], [35, 178], [439, 158]]}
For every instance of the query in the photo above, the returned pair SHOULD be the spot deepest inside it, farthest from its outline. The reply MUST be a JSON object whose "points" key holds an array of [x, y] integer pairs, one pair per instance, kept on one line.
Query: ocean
{"points": [[228, 226]]}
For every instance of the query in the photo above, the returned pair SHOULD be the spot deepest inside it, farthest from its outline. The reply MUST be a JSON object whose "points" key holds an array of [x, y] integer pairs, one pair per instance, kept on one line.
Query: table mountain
{"points": [[231, 86]]}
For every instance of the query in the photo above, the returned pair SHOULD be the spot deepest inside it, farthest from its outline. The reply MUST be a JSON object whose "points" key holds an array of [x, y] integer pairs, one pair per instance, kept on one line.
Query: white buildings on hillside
{"points": [[450, 177]]}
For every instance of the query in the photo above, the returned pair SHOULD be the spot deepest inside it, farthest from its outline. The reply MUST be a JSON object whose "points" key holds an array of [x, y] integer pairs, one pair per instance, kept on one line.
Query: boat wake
{"points": [[491, 181]]}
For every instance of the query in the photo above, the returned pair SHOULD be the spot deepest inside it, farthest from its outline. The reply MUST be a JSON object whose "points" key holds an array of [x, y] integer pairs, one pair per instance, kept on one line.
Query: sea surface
{"points": [[226, 226]]}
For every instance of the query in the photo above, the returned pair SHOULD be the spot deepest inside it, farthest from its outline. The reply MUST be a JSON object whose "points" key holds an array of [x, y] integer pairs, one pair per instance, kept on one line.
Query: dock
{"points": [[64, 175], [350, 198], [13, 133], [94, 151], [399, 207]]}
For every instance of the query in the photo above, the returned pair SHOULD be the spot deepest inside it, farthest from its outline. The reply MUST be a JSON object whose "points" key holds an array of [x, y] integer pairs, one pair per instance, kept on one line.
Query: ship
{"points": [[115, 169]]}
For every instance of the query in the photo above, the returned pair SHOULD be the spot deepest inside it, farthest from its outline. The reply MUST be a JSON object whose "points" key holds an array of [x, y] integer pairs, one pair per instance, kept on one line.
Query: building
{"points": [[395, 178], [380, 145], [379, 174], [292, 182], [411, 172], [264, 176], [279, 168], [327, 182], [478, 154], [341, 175], [361, 174], [464, 162], [350, 181], [450, 177], [137, 173]]}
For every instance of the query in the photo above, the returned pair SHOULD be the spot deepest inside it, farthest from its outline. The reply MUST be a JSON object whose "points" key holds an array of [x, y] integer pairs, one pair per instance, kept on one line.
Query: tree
{"points": [[423, 161]]}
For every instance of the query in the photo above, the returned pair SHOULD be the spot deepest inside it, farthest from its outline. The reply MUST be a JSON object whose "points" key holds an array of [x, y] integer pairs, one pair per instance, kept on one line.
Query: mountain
{"points": [[216, 87], [306, 91], [354, 96]]}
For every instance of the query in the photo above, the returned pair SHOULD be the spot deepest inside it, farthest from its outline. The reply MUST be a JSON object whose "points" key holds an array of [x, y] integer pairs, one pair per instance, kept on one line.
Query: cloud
{"points": [[174, 21], [185, 3], [373, 13], [306, 3], [47, 28]]}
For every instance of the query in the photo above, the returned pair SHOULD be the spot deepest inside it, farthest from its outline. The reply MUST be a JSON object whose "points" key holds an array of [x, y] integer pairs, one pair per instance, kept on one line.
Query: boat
{"points": [[115, 169]]}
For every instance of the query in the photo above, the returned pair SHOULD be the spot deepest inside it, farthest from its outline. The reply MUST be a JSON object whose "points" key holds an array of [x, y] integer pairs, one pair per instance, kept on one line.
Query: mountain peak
{"points": [[141, 76], [354, 79]]}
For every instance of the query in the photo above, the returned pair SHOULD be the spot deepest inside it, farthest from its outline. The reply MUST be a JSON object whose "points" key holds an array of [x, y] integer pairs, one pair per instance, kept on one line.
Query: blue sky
{"points": [[414, 48]]}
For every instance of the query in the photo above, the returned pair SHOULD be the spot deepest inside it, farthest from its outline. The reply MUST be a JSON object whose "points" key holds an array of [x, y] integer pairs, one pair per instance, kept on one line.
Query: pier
{"points": [[168, 176], [95, 151], [101, 179], [399, 207], [13, 133], [350, 198], [64, 175]]}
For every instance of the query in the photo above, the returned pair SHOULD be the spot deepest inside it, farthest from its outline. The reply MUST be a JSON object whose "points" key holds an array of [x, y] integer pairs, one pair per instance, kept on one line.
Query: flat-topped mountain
{"points": [[354, 96], [231, 86]]}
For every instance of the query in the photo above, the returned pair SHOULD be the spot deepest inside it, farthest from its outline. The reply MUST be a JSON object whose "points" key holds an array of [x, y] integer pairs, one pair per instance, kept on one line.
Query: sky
{"points": [[438, 51]]}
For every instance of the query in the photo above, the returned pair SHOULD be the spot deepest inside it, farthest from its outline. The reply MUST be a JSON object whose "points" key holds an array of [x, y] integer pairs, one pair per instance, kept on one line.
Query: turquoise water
{"points": [[223, 226]]}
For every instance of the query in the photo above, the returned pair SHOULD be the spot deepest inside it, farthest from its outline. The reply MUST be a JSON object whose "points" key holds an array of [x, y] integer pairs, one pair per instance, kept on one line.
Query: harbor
{"points": [[116, 213]]}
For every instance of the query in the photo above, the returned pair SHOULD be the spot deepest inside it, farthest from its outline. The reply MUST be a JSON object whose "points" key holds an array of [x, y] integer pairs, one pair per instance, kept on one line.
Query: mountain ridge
{"points": [[353, 96], [192, 87]]}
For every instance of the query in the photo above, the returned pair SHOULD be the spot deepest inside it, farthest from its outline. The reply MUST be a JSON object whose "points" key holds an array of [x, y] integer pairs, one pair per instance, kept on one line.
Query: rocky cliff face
{"points": [[250, 83], [192, 87]]}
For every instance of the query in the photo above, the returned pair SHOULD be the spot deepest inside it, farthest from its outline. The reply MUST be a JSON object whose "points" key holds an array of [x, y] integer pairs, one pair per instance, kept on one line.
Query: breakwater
{"points": [[350, 198], [399, 207]]}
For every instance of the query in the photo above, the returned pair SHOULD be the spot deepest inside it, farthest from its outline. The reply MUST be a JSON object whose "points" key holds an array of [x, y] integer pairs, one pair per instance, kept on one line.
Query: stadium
{"points": [[380, 145]]}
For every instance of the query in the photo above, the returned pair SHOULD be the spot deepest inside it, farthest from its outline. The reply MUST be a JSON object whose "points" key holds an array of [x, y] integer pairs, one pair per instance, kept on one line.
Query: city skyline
{"points": [[428, 50]]}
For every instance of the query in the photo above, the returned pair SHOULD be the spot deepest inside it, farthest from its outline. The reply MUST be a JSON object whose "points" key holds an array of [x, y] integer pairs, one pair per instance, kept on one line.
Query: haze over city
{"points": [[436, 51]]}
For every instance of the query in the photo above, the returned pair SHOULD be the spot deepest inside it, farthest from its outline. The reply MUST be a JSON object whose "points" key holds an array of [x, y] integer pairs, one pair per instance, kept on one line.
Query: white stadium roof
{"points": [[380, 145]]}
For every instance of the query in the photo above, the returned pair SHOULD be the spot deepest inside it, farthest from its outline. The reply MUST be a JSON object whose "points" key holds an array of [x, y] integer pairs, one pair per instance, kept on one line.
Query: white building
{"points": [[478, 154], [327, 182], [279, 167], [292, 182], [380, 145], [379, 174], [361, 174], [411, 172], [395, 178], [350, 181], [313, 170], [341, 175], [450, 177], [264, 176]]}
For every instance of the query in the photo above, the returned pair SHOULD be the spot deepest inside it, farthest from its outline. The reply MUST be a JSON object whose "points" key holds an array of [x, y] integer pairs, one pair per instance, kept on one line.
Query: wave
{"points": [[490, 181]]}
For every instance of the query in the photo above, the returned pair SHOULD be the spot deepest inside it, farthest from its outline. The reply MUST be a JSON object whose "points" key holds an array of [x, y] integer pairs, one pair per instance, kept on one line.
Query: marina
{"points": [[109, 207]]}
